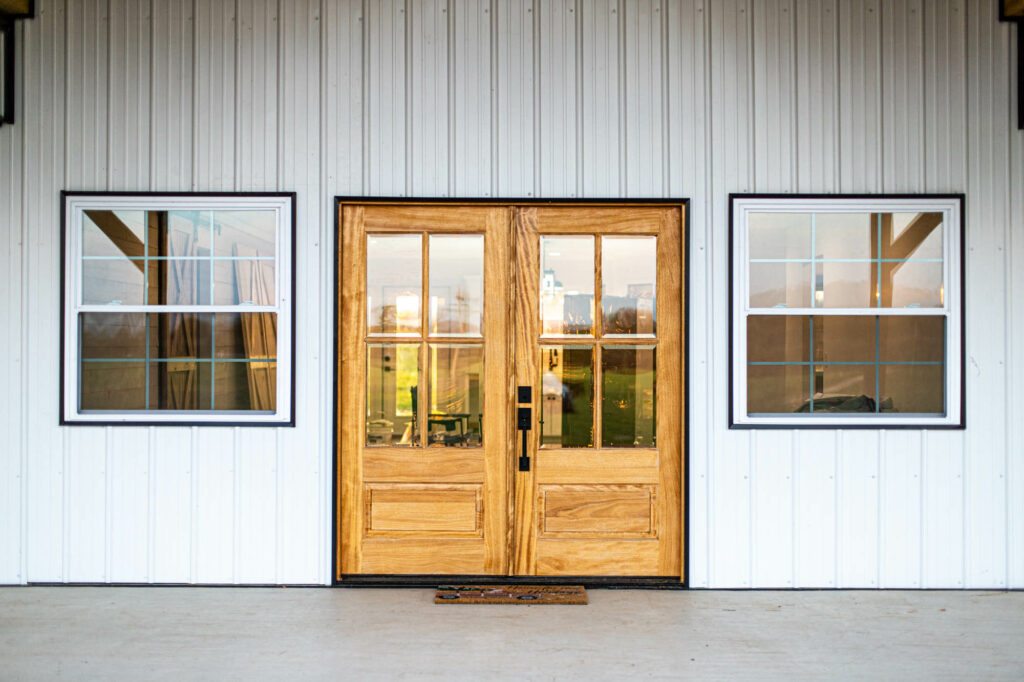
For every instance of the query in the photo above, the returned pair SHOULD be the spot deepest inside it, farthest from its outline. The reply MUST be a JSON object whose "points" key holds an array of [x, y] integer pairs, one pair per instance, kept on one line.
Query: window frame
{"points": [[73, 205], [954, 276]]}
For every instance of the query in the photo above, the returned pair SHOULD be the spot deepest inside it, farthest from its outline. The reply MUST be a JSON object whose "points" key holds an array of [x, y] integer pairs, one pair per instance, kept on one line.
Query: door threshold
{"points": [[589, 582]]}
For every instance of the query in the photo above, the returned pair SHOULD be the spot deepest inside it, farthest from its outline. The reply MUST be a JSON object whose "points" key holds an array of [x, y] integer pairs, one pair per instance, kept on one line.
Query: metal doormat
{"points": [[511, 594]]}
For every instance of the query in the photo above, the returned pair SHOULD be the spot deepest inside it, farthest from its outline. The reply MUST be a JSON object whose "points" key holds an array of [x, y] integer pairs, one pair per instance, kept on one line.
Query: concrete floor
{"points": [[151, 633]]}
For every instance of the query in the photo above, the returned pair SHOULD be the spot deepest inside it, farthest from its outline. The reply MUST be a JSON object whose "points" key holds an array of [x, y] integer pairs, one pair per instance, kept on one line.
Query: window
{"points": [[846, 311], [177, 308]]}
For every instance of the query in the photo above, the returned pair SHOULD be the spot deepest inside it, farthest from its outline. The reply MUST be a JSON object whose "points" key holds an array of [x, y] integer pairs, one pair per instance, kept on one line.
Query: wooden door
{"points": [[599, 339], [445, 314], [424, 390]]}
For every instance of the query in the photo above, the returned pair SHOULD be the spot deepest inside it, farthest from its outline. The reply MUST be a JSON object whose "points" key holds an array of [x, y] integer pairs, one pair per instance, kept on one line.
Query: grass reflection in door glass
{"points": [[628, 396], [567, 400]]}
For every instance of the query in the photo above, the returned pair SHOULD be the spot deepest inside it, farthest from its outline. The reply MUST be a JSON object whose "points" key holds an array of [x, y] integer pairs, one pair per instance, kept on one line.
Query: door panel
{"points": [[598, 334], [424, 390], [443, 311]]}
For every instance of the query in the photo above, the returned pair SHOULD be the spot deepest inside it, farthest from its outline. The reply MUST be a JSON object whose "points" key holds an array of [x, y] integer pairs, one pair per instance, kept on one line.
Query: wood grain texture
{"points": [[619, 465], [393, 510], [578, 511], [422, 556], [597, 557], [401, 465]]}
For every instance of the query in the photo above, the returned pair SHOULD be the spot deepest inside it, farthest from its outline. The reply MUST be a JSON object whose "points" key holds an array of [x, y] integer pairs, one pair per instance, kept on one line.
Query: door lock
{"points": [[524, 416]]}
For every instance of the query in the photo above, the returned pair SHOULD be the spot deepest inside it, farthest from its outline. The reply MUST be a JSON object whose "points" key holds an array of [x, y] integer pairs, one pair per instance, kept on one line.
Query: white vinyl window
{"points": [[177, 308], [846, 311]]}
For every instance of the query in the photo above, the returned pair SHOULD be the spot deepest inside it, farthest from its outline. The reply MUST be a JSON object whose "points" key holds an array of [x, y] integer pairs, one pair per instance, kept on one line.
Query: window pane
{"points": [[567, 405], [844, 235], [180, 335], [913, 388], [912, 338], [113, 282], [780, 285], [845, 285], [778, 338], [392, 381], [844, 338], [629, 269], [780, 235], [919, 235], [567, 285], [244, 233], [456, 284], [394, 284], [628, 396], [114, 233], [113, 386], [179, 281], [456, 403], [246, 386], [244, 282], [246, 335], [113, 336], [184, 233], [912, 285], [777, 388], [844, 388], [181, 385]]}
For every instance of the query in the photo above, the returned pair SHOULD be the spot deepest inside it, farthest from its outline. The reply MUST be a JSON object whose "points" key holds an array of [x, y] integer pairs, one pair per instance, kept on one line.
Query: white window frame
{"points": [[951, 206], [76, 203]]}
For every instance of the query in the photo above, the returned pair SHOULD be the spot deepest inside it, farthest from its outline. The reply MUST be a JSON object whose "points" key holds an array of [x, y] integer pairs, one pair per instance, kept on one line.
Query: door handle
{"points": [[524, 417]]}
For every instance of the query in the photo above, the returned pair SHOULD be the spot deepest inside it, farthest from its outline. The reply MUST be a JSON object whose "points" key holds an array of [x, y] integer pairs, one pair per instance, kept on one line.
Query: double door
{"points": [[510, 390]]}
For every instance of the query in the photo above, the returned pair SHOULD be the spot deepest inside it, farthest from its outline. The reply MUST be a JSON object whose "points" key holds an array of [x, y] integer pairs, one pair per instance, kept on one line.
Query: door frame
{"points": [[434, 580]]}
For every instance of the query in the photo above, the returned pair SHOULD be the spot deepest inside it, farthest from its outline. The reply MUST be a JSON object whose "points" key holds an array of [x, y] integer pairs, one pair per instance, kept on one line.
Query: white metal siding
{"points": [[603, 98]]}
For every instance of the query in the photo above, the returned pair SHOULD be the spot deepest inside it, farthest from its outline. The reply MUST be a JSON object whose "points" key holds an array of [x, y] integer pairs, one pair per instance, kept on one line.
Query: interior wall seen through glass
{"points": [[394, 284], [456, 270]]}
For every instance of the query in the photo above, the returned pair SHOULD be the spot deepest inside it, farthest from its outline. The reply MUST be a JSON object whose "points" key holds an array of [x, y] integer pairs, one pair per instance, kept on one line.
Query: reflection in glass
{"points": [[916, 338], [456, 284], [567, 397], [113, 282], [843, 388], [917, 389], [113, 336], [780, 285], [778, 338], [112, 386], [114, 233], [628, 396], [244, 234], [844, 338], [845, 285], [629, 267], [392, 380], [773, 389], [455, 411], [780, 235], [243, 282], [912, 285], [844, 235], [567, 285], [919, 235], [394, 283]]}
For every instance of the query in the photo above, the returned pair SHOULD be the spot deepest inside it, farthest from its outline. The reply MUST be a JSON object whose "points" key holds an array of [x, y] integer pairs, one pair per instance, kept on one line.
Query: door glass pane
{"points": [[567, 400], [628, 396], [567, 285], [456, 284], [392, 381], [629, 267], [394, 284], [456, 405]]}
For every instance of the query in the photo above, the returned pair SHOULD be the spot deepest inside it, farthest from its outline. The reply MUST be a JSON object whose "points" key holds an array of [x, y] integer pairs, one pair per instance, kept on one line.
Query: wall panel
{"points": [[552, 98]]}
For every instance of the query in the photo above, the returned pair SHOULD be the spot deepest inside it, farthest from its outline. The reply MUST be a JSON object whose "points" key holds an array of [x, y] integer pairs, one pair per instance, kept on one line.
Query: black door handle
{"points": [[524, 416]]}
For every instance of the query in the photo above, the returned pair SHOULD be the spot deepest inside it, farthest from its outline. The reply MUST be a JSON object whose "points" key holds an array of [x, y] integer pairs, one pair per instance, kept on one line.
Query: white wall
{"points": [[595, 98]]}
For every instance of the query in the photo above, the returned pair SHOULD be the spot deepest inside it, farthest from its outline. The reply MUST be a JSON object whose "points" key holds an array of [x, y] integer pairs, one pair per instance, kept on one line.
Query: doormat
{"points": [[510, 594]]}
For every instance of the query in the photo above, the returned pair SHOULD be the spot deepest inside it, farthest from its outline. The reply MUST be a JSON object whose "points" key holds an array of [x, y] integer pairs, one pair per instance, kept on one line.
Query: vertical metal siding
{"points": [[526, 98]]}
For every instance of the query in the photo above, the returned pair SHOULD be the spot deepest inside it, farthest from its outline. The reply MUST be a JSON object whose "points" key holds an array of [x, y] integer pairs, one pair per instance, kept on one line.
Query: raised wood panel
{"points": [[597, 557], [423, 509], [402, 465], [604, 466], [597, 511]]}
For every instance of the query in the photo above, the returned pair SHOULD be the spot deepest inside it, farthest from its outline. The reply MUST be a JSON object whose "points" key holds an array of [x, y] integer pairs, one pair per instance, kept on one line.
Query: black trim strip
{"points": [[433, 580], [65, 195], [876, 426]]}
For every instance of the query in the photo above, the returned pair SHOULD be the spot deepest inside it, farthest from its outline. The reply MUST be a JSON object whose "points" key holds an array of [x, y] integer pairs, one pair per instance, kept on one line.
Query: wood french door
{"points": [[510, 390]]}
